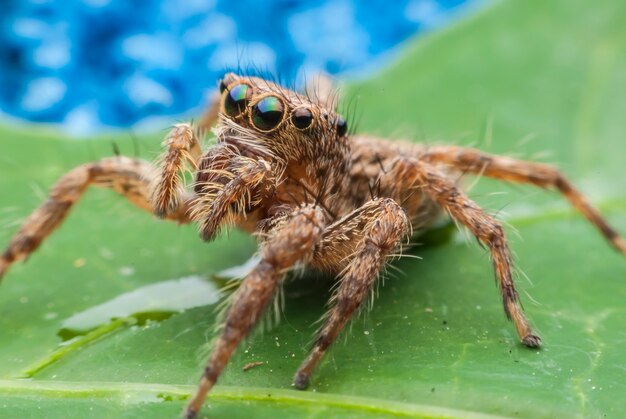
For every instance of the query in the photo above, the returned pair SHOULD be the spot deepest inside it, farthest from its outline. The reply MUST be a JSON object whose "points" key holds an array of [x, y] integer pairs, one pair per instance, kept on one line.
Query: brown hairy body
{"points": [[285, 168]]}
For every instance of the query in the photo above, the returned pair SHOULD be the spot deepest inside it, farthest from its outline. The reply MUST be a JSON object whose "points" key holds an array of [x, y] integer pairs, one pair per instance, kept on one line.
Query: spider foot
{"points": [[531, 341], [189, 414], [301, 380]]}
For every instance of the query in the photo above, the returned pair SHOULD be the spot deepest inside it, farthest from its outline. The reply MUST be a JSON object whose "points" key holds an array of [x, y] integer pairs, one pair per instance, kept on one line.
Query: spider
{"points": [[285, 167]]}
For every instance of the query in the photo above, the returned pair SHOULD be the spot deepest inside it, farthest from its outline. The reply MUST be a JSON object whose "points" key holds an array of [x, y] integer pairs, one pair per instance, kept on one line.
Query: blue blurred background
{"points": [[89, 64]]}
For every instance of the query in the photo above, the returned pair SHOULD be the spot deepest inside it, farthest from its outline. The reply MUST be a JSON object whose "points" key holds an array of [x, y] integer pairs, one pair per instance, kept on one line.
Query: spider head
{"points": [[258, 113]]}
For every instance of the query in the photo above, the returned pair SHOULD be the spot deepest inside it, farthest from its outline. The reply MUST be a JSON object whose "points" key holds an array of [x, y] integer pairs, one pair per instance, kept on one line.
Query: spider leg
{"points": [[519, 171], [211, 115], [320, 89], [380, 224], [128, 177], [228, 187], [292, 241], [487, 230], [182, 150]]}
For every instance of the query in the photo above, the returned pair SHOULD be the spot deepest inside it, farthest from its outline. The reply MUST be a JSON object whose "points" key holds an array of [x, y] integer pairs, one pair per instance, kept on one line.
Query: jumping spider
{"points": [[285, 167]]}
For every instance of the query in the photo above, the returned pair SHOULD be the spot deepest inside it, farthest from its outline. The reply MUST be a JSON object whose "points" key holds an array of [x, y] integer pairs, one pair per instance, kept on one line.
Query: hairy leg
{"points": [[320, 89], [291, 242], [229, 185], [126, 176], [182, 153], [210, 115], [383, 224], [486, 229], [519, 171]]}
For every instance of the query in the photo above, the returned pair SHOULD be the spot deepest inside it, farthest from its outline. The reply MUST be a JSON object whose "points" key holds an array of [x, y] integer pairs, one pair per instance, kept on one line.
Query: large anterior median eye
{"points": [[237, 98], [268, 113]]}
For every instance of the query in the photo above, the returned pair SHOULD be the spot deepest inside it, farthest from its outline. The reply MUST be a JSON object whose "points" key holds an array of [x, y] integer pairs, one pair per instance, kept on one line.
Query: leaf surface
{"points": [[519, 78]]}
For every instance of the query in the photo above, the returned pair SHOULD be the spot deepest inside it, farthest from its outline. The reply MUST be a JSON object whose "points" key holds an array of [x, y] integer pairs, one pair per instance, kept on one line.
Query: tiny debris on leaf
{"points": [[252, 365]]}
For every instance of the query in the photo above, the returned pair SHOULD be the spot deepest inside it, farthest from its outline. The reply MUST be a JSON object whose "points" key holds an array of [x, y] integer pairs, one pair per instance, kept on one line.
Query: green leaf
{"points": [[520, 78]]}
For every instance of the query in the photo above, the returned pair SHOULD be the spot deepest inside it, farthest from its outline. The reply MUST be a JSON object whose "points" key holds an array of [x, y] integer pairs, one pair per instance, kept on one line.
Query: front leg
{"points": [[182, 151], [372, 232], [229, 185], [291, 242], [211, 115]]}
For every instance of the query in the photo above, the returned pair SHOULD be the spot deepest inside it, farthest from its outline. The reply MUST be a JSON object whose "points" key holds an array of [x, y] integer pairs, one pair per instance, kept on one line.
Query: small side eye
{"points": [[302, 118], [342, 126], [237, 99], [268, 113]]}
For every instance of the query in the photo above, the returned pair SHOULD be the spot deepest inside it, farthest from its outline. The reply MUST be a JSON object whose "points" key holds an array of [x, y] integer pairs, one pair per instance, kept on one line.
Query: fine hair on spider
{"points": [[286, 167]]}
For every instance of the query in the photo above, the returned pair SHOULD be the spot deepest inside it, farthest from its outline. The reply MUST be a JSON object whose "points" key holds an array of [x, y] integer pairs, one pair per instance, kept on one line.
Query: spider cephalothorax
{"points": [[285, 166], [292, 147], [263, 119]]}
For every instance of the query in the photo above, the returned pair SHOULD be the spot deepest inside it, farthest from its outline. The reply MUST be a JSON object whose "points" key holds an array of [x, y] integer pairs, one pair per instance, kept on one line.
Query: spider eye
{"points": [[342, 126], [268, 113], [302, 118], [236, 99]]}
